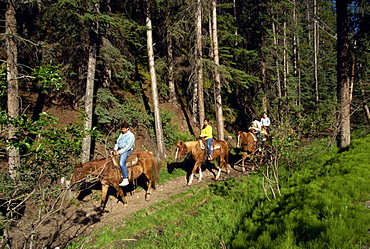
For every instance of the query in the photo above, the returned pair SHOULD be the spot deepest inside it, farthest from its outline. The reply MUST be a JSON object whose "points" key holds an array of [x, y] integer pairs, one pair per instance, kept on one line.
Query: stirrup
{"points": [[210, 157]]}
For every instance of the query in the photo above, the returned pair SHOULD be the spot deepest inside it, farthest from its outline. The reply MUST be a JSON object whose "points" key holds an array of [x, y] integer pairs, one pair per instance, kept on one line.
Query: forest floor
{"points": [[75, 218], [80, 218]]}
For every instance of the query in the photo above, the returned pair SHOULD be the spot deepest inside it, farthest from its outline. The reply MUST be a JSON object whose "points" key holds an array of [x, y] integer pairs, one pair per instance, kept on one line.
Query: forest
{"points": [[164, 66]]}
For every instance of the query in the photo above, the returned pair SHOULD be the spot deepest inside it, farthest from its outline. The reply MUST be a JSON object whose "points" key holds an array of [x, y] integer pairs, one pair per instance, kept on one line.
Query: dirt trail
{"points": [[74, 221]]}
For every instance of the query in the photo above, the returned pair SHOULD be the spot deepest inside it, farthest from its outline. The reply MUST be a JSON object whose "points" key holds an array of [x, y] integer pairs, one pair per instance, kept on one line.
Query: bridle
{"points": [[180, 148]]}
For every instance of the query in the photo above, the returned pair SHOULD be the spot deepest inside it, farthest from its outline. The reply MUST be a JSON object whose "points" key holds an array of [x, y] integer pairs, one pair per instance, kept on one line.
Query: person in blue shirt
{"points": [[265, 122], [123, 148]]}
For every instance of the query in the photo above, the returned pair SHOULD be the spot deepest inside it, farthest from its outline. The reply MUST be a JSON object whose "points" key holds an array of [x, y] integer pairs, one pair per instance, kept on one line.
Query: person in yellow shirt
{"points": [[206, 133]]}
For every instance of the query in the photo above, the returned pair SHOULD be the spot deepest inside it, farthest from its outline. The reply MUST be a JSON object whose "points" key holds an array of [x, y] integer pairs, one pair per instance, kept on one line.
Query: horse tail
{"points": [[227, 153], [156, 168]]}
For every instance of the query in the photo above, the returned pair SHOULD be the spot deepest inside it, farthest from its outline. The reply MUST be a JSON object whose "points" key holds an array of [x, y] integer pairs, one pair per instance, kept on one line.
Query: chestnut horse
{"points": [[108, 172], [248, 142], [197, 150]]}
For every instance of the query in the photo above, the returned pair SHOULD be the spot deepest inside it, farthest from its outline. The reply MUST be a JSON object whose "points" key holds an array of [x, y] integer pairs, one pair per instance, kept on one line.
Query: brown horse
{"points": [[248, 141], [108, 172], [197, 150]]}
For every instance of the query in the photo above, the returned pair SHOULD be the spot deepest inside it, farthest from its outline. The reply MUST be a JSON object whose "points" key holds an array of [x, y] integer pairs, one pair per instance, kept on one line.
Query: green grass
{"points": [[321, 206]]}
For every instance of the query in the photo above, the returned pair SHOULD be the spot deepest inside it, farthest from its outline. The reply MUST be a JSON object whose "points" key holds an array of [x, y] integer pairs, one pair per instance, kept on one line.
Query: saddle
{"points": [[214, 145], [131, 162]]}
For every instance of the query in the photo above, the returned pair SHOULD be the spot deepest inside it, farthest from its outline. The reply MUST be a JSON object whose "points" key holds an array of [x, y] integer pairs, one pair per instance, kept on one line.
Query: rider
{"points": [[123, 147], [207, 134], [256, 129], [265, 122]]}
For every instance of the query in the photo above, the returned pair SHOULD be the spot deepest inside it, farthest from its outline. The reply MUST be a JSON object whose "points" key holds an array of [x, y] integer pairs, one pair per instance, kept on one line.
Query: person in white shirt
{"points": [[123, 148], [265, 122]]}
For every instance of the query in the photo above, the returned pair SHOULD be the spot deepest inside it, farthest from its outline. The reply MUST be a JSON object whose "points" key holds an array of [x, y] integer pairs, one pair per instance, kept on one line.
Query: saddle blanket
{"points": [[214, 145]]}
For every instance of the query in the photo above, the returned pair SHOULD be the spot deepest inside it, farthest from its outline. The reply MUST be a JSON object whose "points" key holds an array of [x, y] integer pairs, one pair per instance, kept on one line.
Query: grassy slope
{"points": [[321, 206]]}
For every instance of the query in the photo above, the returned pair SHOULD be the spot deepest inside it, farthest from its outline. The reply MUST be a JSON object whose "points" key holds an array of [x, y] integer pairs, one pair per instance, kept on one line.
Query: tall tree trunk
{"points": [[366, 107], [153, 79], [278, 79], [12, 79], [199, 63], [171, 83], [343, 75], [315, 49], [217, 83], [89, 95], [297, 73], [285, 61], [264, 86], [235, 22]]}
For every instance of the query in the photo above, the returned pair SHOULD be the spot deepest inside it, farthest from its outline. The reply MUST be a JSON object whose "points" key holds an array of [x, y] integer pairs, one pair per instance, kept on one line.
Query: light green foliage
{"points": [[48, 78], [322, 206], [47, 150]]}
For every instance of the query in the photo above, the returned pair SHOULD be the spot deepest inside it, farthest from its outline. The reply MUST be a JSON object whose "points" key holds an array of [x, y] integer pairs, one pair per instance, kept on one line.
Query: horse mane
{"points": [[191, 144]]}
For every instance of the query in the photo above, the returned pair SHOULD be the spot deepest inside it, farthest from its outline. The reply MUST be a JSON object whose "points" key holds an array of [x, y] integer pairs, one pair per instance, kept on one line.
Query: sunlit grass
{"points": [[322, 206]]}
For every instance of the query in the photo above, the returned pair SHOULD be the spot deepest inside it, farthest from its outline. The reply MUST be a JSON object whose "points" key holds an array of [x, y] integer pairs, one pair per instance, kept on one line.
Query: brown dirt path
{"points": [[74, 221]]}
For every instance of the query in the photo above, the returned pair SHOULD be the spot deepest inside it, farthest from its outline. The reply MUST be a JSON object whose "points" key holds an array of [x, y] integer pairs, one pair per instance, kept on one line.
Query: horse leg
{"points": [[104, 195], [245, 154], [223, 164], [200, 174], [121, 196], [196, 166], [149, 189], [218, 173], [253, 166]]}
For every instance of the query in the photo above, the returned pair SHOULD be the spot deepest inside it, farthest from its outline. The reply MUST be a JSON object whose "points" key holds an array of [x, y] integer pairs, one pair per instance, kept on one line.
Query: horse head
{"points": [[239, 138], [181, 150], [77, 176]]}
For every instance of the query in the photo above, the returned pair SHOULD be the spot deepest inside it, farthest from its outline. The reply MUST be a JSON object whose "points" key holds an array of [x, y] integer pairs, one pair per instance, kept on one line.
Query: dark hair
{"points": [[125, 125], [206, 119]]}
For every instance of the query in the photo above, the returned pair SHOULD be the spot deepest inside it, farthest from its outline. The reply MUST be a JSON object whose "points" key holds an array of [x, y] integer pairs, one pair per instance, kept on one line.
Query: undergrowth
{"points": [[322, 205]]}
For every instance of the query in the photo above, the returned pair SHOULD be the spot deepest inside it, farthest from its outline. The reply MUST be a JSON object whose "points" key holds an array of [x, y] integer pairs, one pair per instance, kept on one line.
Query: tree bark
{"points": [[296, 68], [199, 66], [12, 80], [217, 83], [171, 83], [153, 79], [89, 95], [315, 49], [343, 75], [264, 86], [278, 78]]}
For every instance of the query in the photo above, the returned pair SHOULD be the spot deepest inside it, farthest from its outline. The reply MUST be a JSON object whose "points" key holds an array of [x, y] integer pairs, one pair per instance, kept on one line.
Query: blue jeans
{"points": [[209, 142], [122, 163]]}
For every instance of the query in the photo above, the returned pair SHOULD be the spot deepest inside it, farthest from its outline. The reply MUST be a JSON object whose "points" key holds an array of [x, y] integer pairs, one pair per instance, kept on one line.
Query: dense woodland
{"points": [[304, 62]]}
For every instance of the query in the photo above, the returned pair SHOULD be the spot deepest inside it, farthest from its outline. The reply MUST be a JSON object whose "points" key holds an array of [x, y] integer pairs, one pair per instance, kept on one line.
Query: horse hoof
{"points": [[189, 183], [147, 197], [228, 171]]}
